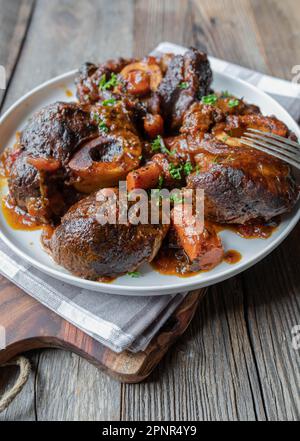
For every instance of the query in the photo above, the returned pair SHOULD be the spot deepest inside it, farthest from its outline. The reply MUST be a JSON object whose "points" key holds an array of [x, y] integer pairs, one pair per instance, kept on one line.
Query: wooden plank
{"points": [[277, 28], [226, 29], [273, 309], [14, 21], [210, 374], [156, 21], [272, 288], [76, 32], [68, 388]]}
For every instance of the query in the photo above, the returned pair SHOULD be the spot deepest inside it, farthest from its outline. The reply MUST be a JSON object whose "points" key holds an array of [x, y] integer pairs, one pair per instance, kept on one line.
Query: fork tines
{"points": [[282, 148]]}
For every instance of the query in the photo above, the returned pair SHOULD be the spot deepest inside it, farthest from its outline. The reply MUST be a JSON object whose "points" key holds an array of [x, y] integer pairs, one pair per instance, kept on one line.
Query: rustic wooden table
{"points": [[236, 361]]}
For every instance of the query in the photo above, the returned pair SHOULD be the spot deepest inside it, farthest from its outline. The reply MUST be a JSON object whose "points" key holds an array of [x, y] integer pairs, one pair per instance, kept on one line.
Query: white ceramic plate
{"points": [[27, 244]]}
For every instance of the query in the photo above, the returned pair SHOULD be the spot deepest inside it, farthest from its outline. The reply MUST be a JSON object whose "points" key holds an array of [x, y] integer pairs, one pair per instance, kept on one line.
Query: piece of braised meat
{"points": [[56, 130], [37, 175], [91, 250], [70, 146], [135, 82], [188, 78], [89, 76], [241, 184]]}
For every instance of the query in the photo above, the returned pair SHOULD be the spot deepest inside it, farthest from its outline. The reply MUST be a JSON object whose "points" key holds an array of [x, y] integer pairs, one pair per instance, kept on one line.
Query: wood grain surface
{"points": [[30, 325], [236, 361]]}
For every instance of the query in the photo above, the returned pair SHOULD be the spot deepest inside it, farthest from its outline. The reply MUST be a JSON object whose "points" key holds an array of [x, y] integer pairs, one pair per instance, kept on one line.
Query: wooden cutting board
{"points": [[30, 325]]}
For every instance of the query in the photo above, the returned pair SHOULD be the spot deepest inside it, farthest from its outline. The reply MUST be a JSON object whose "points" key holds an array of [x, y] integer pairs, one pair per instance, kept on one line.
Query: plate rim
{"points": [[190, 283]]}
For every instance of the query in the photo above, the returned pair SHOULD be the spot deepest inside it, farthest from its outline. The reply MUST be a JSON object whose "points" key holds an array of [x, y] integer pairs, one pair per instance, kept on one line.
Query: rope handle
{"points": [[11, 394]]}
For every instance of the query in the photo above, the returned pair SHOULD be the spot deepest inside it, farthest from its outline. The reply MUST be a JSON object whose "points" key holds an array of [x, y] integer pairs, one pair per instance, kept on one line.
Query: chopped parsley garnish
{"points": [[176, 198], [156, 144], [225, 137], [197, 168], [175, 172], [225, 94], [102, 126], [109, 102], [210, 99], [134, 274], [187, 168], [96, 117], [159, 145], [112, 82], [183, 85], [160, 181], [233, 102]]}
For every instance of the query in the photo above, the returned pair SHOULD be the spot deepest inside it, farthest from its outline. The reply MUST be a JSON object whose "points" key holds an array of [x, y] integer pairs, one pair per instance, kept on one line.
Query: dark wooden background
{"points": [[236, 361]]}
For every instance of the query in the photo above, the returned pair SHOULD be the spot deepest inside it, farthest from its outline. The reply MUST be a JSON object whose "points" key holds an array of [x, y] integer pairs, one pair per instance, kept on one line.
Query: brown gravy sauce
{"points": [[172, 262], [255, 231], [16, 218], [232, 257], [105, 279]]}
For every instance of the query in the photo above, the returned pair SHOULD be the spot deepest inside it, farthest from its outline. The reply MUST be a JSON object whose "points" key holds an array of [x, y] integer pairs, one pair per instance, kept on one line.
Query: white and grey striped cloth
{"points": [[121, 322]]}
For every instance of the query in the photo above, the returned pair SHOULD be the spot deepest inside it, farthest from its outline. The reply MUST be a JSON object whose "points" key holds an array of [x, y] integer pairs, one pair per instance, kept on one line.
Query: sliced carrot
{"points": [[204, 249], [153, 125], [144, 177]]}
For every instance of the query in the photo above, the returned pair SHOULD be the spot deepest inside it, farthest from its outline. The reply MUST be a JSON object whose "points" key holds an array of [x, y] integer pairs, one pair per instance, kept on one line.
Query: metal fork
{"points": [[282, 148]]}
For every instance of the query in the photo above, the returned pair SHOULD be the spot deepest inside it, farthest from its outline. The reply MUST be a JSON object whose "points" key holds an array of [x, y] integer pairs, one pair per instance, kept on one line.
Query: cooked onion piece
{"points": [[142, 77]]}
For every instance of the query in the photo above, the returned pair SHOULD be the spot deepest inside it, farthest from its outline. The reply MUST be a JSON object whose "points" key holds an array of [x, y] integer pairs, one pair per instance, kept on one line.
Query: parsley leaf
{"points": [[102, 126], [187, 168], [210, 99], [225, 94], [176, 198], [96, 117], [233, 102], [102, 82], [155, 145], [198, 169], [109, 102], [175, 172], [134, 274], [112, 82], [160, 181], [183, 85], [159, 145]]}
